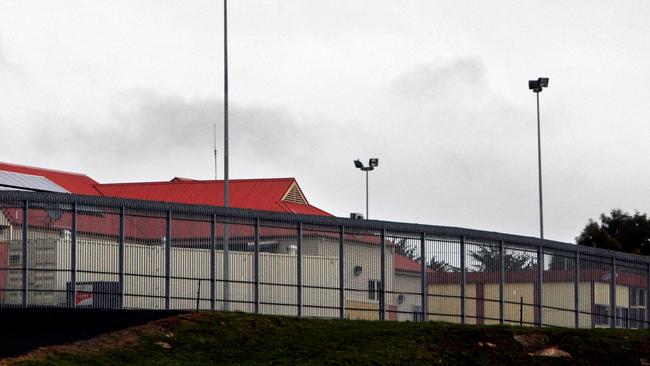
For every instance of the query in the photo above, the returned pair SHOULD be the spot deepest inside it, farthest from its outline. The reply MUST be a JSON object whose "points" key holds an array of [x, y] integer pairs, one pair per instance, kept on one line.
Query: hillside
{"points": [[237, 338]]}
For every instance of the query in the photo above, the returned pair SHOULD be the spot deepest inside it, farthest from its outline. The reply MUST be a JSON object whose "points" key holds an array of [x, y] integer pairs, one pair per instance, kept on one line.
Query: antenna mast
{"points": [[214, 144]]}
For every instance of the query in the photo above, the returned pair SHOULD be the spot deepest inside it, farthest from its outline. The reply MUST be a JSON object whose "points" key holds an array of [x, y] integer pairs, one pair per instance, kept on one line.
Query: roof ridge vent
{"points": [[294, 195]]}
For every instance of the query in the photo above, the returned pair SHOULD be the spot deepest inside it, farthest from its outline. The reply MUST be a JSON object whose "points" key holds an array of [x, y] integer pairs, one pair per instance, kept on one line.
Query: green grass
{"points": [[246, 339]]}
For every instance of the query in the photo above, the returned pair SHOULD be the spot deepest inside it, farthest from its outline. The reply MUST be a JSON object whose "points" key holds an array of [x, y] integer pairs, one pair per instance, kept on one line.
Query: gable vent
{"points": [[294, 195]]}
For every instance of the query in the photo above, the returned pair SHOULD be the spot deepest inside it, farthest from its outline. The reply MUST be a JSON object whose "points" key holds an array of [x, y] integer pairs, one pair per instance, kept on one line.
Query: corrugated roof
{"points": [[257, 194], [72, 182]]}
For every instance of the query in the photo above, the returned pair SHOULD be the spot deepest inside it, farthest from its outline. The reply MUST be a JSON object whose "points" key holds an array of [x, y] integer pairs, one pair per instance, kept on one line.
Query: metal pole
{"points": [[382, 289], [540, 284], [647, 299], [213, 262], [73, 256], [225, 104], [226, 193], [367, 214], [539, 165], [463, 280], [612, 294], [299, 271], [168, 239], [576, 289], [502, 281], [341, 273], [256, 263], [423, 278], [25, 253], [120, 264]]}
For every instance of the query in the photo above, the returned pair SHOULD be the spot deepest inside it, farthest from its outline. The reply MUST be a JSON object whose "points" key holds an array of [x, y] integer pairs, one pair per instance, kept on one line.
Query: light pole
{"points": [[372, 164], [536, 86]]}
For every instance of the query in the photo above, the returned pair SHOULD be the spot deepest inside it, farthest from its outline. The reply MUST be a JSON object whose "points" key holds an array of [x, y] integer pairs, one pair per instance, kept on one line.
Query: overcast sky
{"points": [[437, 90]]}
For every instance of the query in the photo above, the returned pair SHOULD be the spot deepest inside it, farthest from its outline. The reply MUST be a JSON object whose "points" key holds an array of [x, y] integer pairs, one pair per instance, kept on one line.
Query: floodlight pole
{"points": [[226, 195], [539, 166], [367, 217]]}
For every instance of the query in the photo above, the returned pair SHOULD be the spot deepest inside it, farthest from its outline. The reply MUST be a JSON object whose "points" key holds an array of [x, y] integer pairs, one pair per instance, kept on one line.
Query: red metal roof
{"points": [[257, 194], [72, 182]]}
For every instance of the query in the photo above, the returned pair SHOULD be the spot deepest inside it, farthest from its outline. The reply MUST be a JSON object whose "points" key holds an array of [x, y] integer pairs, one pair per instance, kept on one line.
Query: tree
{"points": [[412, 252], [618, 231], [441, 266], [486, 259]]}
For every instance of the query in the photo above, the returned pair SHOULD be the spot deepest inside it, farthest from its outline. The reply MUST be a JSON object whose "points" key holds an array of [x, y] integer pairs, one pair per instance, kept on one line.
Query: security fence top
{"points": [[13, 197]]}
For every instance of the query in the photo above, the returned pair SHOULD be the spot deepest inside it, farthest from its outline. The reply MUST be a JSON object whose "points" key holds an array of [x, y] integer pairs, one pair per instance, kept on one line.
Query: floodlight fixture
{"points": [[537, 85], [373, 162], [358, 164]]}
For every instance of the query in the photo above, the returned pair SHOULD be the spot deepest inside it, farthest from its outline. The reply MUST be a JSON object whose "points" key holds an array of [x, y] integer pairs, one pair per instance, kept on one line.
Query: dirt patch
{"points": [[108, 341], [551, 352], [531, 340]]}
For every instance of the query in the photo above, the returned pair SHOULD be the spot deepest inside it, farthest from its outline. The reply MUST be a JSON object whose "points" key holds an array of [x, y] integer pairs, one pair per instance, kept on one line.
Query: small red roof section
{"points": [[406, 264], [72, 182], [257, 194]]}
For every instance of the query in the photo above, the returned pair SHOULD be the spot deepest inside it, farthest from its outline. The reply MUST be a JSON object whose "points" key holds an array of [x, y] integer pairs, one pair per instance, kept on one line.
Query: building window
{"points": [[601, 315], [418, 317], [621, 317], [374, 288]]}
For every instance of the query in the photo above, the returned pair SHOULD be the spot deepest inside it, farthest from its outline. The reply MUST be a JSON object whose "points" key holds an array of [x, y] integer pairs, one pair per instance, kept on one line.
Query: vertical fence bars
{"points": [[78, 253], [25, 255], [342, 259]]}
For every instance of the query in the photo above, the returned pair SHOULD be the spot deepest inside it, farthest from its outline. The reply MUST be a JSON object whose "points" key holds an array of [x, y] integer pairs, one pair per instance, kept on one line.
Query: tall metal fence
{"points": [[60, 250]]}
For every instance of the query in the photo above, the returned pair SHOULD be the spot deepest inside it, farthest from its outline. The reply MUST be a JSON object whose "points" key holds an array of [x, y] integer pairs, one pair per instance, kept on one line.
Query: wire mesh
{"points": [[11, 238], [631, 295], [559, 289], [190, 262], [320, 271], [362, 273], [444, 289]]}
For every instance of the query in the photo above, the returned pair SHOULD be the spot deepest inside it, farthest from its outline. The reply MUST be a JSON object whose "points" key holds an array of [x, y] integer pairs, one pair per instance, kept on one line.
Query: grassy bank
{"points": [[236, 338]]}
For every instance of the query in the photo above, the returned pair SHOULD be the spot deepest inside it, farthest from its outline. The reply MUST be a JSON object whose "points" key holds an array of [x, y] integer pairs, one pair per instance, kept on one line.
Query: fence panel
{"points": [[97, 281], [362, 273], [190, 262], [11, 239], [559, 285], [444, 280], [631, 295], [111, 253]]}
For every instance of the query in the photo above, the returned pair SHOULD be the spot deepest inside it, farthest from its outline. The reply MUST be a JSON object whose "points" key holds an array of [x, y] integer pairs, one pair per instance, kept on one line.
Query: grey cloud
{"points": [[437, 79]]}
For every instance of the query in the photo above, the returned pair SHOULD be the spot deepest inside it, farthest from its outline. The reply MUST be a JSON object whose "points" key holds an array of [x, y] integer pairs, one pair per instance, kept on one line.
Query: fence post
{"points": [[502, 280], [612, 294], [382, 288], [168, 240], [647, 295], [341, 272], [299, 270], [463, 280], [73, 256], [226, 267], [256, 263], [25, 253], [120, 263], [576, 289], [213, 262], [424, 277], [540, 284]]}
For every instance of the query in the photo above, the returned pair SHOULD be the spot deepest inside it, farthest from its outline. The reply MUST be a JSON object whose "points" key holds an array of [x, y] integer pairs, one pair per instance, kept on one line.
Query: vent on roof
{"points": [[27, 182], [294, 195]]}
